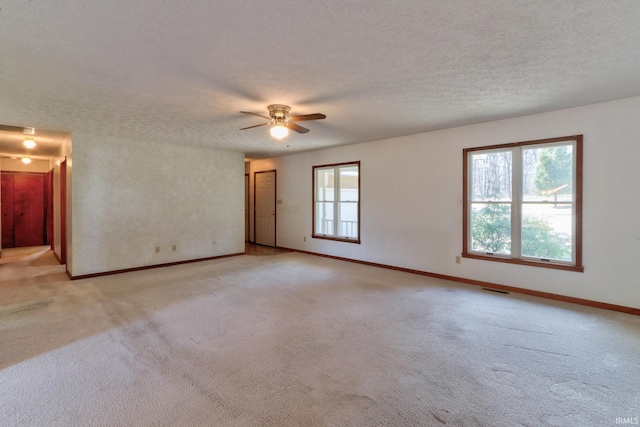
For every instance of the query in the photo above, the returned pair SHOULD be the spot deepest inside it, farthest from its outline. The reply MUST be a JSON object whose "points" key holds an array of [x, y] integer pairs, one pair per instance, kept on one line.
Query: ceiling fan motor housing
{"points": [[279, 113]]}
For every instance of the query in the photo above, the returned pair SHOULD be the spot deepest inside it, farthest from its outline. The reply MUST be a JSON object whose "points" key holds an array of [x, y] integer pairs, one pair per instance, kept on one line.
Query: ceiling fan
{"points": [[282, 121]]}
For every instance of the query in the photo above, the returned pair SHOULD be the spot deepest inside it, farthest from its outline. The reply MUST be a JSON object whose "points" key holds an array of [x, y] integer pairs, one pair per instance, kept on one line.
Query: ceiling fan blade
{"points": [[296, 128], [256, 114], [316, 116], [11, 128], [255, 126]]}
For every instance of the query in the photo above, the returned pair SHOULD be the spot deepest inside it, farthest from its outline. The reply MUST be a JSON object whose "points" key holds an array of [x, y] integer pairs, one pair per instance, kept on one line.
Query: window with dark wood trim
{"points": [[523, 203], [336, 202]]}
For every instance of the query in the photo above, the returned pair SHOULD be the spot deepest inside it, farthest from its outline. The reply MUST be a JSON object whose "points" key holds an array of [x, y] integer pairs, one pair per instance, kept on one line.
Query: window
{"points": [[523, 203], [336, 202]]}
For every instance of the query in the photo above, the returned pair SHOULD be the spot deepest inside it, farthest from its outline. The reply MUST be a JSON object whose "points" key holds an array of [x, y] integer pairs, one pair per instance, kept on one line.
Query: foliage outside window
{"points": [[336, 202], [523, 203]]}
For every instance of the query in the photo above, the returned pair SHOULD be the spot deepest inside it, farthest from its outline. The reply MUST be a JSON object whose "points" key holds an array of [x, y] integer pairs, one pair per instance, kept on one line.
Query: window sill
{"points": [[552, 265], [337, 239]]}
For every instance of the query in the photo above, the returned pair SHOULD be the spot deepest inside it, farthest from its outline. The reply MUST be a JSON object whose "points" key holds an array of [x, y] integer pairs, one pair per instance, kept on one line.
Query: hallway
{"points": [[29, 263]]}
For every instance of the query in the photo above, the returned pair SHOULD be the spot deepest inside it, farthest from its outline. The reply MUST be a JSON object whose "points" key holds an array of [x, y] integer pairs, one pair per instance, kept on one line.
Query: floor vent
{"points": [[495, 290]]}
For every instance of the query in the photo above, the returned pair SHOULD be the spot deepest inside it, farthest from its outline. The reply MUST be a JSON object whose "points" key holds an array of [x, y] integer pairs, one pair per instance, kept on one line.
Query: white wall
{"points": [[411, 201], [16, 165], [130, 196]]}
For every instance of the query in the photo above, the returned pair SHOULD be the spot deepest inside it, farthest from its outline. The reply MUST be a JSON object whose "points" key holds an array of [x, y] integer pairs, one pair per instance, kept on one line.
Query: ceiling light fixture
{"points": [[29, 143], [26, 160], [279, 132]]}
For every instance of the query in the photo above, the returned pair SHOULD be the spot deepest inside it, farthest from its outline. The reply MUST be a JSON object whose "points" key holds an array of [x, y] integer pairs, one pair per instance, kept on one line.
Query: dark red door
{"points": [[23, 209], [8, 220]]}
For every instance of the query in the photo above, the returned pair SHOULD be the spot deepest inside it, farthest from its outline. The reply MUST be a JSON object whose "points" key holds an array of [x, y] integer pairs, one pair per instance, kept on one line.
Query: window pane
{"points": [[349, 183], [546, 231], [532, 189], [491, 228], [491, 176], [548, 173], [337, 201], [324, 218], [348, 225], [325, 183]]}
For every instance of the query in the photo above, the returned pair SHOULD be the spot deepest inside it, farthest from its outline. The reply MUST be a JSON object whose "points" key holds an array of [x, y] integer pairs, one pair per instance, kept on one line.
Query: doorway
{"points": [[24, 209], [264, 201]]}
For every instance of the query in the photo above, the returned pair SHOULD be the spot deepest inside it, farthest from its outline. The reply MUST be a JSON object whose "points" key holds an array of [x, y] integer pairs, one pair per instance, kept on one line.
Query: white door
{"points": [[265, 208]]}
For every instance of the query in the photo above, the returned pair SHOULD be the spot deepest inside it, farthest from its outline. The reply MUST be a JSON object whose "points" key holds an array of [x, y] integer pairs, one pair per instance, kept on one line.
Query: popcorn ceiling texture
{"points": [[180, 72]]}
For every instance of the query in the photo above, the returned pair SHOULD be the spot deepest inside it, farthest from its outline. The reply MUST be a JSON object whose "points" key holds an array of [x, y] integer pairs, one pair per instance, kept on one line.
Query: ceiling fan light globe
{"points": [[279, 132]]}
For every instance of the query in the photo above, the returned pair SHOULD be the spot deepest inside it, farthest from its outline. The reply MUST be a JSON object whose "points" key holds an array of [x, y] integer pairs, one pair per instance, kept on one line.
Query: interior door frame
{"points": [[49, 209], [275, 204], [247, 219], [63, 211]]}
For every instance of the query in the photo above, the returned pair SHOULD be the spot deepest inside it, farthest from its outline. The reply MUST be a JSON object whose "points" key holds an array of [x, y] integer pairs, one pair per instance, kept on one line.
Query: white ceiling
{"points": [[179, 72]]}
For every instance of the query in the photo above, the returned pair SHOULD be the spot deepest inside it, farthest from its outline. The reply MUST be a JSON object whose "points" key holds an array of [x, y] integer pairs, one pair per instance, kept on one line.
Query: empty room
{"points": [[409, 213]]}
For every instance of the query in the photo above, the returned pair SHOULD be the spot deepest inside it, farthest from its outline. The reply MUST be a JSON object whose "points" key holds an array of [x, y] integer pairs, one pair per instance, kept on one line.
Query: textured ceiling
{"points": [[180, 71]]}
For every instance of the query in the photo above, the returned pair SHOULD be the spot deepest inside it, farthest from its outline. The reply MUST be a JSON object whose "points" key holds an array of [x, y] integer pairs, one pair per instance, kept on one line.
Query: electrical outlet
{"points": [[157, 249], [174, 248], [304, 239], [457, 259]]}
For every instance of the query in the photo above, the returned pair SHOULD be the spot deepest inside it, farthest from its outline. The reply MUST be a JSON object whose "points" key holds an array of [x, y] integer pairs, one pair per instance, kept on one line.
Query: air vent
{"points": [[495, 290]]}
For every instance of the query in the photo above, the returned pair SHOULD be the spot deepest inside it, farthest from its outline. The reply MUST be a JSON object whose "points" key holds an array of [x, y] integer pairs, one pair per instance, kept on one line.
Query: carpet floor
{"points": [[297, 340]]}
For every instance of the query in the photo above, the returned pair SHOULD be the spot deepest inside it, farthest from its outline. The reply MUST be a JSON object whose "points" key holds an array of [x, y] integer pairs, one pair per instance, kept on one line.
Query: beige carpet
{"points": [[297, 340]]}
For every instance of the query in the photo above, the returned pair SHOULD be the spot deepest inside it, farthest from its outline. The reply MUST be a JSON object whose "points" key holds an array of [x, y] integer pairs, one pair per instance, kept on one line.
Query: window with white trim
{"points": [[336, 202], [523, 203]]}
